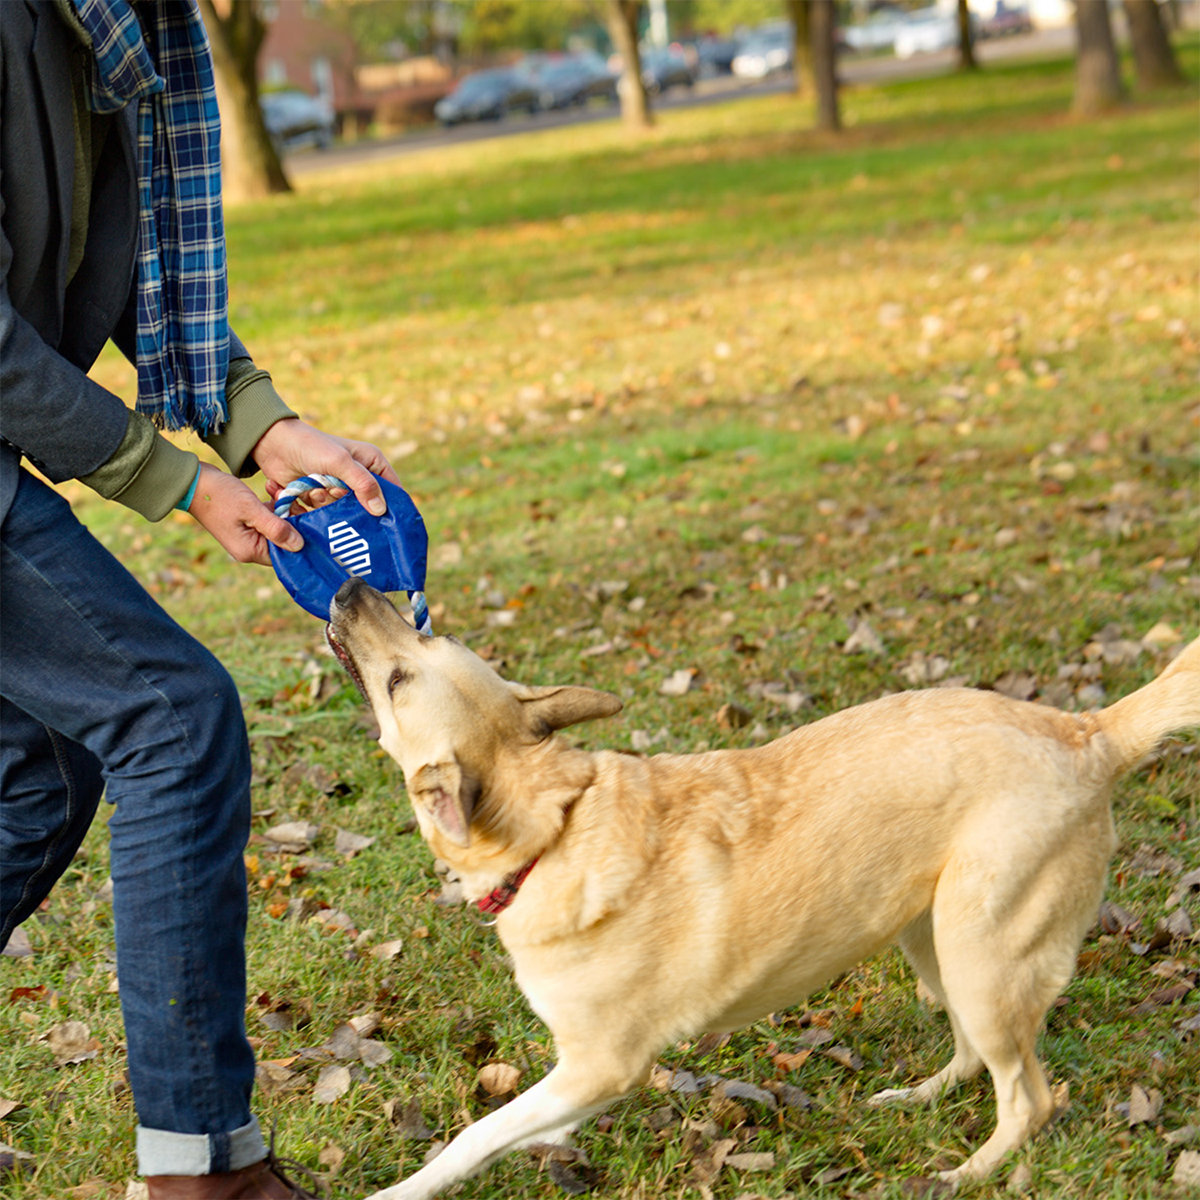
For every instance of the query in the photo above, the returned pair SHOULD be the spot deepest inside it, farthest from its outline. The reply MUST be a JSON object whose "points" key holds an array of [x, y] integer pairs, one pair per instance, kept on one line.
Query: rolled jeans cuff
{"points": [[161, 1152]]}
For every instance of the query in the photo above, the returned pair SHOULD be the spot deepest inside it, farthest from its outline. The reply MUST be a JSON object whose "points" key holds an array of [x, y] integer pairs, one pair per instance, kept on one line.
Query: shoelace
{"points": [[282, 1166]]}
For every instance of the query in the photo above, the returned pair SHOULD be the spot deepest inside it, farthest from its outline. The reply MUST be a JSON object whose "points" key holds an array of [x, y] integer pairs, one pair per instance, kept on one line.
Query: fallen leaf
{"points": [[18, 944], [845, 1057], [332, 1083], [1017, 685], [733, 716], [293, 837], [8, 1106], [349, 844], [71, 1042], [863, 640], [1187, 1170], [332, 1158], [366, 1024], [679, 683], [1144, 1105], [387, 950], [762, 1161], [791, 1062], [14, 1162], [407, 1120], [498, 1078], [1161, 635]]}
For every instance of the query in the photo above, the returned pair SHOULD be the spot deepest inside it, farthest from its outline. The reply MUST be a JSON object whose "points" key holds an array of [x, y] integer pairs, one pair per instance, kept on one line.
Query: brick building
{"points": [[305, 51]]}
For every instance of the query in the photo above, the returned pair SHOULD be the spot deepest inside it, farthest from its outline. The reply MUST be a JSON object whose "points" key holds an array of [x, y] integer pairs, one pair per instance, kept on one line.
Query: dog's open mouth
{"points": [[342, 655]]}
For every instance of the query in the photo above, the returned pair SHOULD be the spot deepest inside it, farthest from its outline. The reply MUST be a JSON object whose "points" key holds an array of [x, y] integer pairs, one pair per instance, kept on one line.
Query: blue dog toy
{"points": [[343, 539]]}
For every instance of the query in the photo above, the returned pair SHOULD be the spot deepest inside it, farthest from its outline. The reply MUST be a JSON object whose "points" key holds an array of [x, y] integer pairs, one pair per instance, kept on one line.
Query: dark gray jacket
{"points": [[52, 332]]}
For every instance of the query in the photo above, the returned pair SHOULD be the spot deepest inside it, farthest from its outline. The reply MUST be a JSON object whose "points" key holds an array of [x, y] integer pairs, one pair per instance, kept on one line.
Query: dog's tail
{"points": [[1136, 724]]}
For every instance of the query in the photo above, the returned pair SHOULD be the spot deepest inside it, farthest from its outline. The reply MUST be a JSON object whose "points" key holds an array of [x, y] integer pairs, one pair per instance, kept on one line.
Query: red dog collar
{"points": [[499, 898]]}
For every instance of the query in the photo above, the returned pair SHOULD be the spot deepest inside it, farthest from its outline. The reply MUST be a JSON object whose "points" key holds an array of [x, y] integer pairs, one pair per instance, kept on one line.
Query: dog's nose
{"points": [[346, 593]]}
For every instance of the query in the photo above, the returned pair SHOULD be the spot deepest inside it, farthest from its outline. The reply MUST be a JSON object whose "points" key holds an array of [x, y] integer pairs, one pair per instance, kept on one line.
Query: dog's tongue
{"points": [[342, 539]]}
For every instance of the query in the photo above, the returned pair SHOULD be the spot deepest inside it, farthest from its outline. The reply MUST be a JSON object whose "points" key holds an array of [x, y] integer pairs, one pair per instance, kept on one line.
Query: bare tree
{"points": [[622, 28], [966, 42], [802, 57], [250, 166], [1153, 57], [824, 63], [1098, 85]]}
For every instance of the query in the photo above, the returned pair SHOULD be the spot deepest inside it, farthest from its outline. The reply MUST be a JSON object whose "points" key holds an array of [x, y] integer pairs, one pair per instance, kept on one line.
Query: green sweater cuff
{"points": [[147, 473], [254, 406]]}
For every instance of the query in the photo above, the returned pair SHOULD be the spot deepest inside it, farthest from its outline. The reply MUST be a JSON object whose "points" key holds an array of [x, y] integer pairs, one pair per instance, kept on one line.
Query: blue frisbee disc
{"points": [[343, 539]]}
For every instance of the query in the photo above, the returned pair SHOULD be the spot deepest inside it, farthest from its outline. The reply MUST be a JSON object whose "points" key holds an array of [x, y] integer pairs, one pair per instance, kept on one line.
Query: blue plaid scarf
{"points": [[182, 327]]}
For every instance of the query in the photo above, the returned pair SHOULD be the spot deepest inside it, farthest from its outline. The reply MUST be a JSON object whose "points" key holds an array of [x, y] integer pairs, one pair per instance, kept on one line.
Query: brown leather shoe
{"points": [[264, 1180]]}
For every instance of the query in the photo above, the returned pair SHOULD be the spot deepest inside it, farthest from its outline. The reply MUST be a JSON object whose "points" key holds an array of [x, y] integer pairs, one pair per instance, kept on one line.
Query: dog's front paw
{"points": [[891, 1096]]}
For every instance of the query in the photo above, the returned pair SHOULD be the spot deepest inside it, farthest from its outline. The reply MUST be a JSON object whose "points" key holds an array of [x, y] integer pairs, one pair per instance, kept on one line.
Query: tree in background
{"points": [[1098, 86], [250, 167], [802, 49], [1153, 57], [623, 18], [822, 35], [966, 42]]}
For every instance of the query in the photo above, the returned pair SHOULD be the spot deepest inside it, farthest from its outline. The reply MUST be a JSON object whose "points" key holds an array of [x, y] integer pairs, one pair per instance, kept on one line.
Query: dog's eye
{"points": [[398, 678]]}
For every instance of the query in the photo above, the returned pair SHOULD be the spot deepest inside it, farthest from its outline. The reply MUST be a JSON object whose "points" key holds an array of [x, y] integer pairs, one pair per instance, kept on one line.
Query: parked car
{"points": [[876, 33], [714, 56], [295, 119], [926, 31], [488, 96], [665, 67], [764, 52], [1008, 19], [571, 81]]}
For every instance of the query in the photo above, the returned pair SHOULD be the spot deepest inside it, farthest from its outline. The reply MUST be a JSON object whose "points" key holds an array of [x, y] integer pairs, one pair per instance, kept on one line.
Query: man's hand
{"points": [[238, 519], [290, 449]]}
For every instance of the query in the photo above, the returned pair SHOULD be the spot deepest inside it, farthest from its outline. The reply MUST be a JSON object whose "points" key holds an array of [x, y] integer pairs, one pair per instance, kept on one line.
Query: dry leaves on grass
{"points": [[71, 1042], [498, 1078]]}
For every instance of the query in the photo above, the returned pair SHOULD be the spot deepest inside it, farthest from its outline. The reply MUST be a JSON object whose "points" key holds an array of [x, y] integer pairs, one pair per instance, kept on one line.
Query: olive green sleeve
{"points": [[150, 474], [146, 473]]}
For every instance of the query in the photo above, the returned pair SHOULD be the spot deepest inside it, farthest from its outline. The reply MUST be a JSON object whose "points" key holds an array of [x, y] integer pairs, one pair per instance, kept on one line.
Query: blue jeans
{"points": [[101, 691]]}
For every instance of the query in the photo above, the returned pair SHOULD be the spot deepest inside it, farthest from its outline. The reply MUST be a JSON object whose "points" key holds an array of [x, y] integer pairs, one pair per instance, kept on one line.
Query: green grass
{"points": [[939, 373]]}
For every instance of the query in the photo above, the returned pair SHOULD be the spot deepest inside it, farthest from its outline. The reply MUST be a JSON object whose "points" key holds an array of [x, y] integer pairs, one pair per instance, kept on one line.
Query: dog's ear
{"points": [[557, 707], [448, 796]]}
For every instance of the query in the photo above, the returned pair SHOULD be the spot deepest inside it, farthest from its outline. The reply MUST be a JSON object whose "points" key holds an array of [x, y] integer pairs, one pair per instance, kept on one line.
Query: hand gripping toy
{"points": [[343, 539]]}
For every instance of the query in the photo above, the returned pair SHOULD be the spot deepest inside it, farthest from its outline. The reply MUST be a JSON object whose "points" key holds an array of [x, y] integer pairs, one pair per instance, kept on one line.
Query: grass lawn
{"points": [[735, 399]]}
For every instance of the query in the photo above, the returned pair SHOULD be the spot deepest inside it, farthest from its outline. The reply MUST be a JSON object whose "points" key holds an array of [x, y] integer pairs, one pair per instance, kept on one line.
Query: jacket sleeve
{"points": [[63, 422], [150, 474]]}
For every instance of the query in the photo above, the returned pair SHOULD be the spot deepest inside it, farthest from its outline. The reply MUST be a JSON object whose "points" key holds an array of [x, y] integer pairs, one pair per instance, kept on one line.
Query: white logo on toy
{"points": [[350, 548]]}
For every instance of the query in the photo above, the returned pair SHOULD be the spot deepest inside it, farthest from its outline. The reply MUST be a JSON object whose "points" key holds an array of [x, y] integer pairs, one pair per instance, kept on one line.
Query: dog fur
{"points": [[682, 894]]}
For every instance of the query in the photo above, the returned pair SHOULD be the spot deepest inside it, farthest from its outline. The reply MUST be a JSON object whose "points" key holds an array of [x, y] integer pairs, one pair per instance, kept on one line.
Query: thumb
{"points": [[366, 487], [276, 530]]}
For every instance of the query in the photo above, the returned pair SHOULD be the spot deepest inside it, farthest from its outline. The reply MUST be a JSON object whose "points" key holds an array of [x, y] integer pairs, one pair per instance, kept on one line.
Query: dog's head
{"points": [[460, 732]]}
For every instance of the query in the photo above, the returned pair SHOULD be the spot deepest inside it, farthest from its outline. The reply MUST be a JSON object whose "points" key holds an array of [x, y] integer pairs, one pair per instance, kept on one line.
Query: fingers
{"points": [[275, 529], [366, 487]]}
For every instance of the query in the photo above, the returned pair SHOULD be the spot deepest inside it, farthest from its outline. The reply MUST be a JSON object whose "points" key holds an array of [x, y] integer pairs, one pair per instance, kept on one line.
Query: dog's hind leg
{"points": [[917, 943], [576, 1089]]}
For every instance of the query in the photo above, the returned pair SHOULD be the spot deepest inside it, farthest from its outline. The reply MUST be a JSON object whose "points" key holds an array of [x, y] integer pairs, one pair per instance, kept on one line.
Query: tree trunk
{"points": [[1097, 73], [1152, 53], [250, 166], [824, 59], [802, 56], [966, 43], [622, 28]]}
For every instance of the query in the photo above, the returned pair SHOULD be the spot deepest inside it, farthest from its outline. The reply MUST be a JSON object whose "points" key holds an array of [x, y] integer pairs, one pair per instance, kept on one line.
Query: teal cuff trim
{"points": [[190, 494]]}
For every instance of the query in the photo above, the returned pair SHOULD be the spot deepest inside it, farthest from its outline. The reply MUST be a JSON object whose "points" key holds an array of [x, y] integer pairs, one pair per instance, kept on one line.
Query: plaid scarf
{"points": [[182, 328]]}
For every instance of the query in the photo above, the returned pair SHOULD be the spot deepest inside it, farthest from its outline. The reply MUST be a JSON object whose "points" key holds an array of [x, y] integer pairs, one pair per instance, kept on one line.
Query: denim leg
{"points": [[50, 788], [88, 653]]}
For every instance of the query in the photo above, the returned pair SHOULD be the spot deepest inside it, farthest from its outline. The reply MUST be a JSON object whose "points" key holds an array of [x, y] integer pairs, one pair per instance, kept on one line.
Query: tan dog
{"points": [[681, 894]]}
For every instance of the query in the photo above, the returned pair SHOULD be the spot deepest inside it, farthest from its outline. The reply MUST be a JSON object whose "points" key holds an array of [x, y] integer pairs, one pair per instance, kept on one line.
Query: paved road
{"points": [[1044, 43]]}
